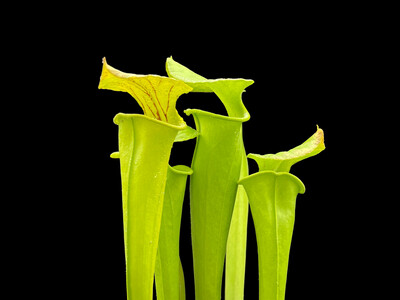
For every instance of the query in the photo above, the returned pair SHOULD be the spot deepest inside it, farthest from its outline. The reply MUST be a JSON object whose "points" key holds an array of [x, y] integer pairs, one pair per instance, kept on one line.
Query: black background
{"points": [[307, 67]]}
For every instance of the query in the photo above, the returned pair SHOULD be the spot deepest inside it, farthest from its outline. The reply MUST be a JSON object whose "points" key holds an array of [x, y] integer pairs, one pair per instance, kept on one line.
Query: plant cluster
{"points": [[221, 189]]}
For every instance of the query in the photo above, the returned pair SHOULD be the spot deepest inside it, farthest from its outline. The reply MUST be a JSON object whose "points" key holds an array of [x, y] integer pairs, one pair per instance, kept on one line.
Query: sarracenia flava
{"points": [[272, 195], [220, 189], [145, 143], [218, 162]]}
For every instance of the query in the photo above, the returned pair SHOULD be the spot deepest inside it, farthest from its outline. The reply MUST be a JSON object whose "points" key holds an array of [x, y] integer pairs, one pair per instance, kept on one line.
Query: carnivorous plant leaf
{"points": [[220, 189], [218, 161], [283, 161], [145, 143], [216, 165], [228, 90], [237, 239], [272, 195], [156, 95], [168, 265]]}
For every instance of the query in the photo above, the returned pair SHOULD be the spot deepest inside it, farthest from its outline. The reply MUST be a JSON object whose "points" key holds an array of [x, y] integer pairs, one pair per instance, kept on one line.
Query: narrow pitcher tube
{"points": [[216, 168], [144, 149], [145, 143], [219, 226], [237, 239], [272, 197], [169, 280]]}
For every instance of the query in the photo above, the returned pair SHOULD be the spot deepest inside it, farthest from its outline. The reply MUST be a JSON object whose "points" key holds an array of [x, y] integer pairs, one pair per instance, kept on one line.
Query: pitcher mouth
{"points": [[140, 116], [191, 111], [181, 169], [302, 188]]}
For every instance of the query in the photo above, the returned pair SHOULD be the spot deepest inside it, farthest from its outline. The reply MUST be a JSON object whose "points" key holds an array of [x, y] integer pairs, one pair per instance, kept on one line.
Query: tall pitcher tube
{"points": [[144, 149], [169, 273], [216, 165], [272, 197]]}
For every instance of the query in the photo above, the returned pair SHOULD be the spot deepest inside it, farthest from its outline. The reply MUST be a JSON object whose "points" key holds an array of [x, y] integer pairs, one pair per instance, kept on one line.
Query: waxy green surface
{"points": [[220, 189], [169, 274], [145, 143], [272, 196], [216, 202]]}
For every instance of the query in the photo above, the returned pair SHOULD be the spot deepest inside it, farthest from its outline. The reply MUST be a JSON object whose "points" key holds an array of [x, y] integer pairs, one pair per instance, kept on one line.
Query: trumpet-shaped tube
{"points": [[169, 279], [219, 210], [272, 195], [144, 149], [216, 164], [272, 198], [145, 143]]}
